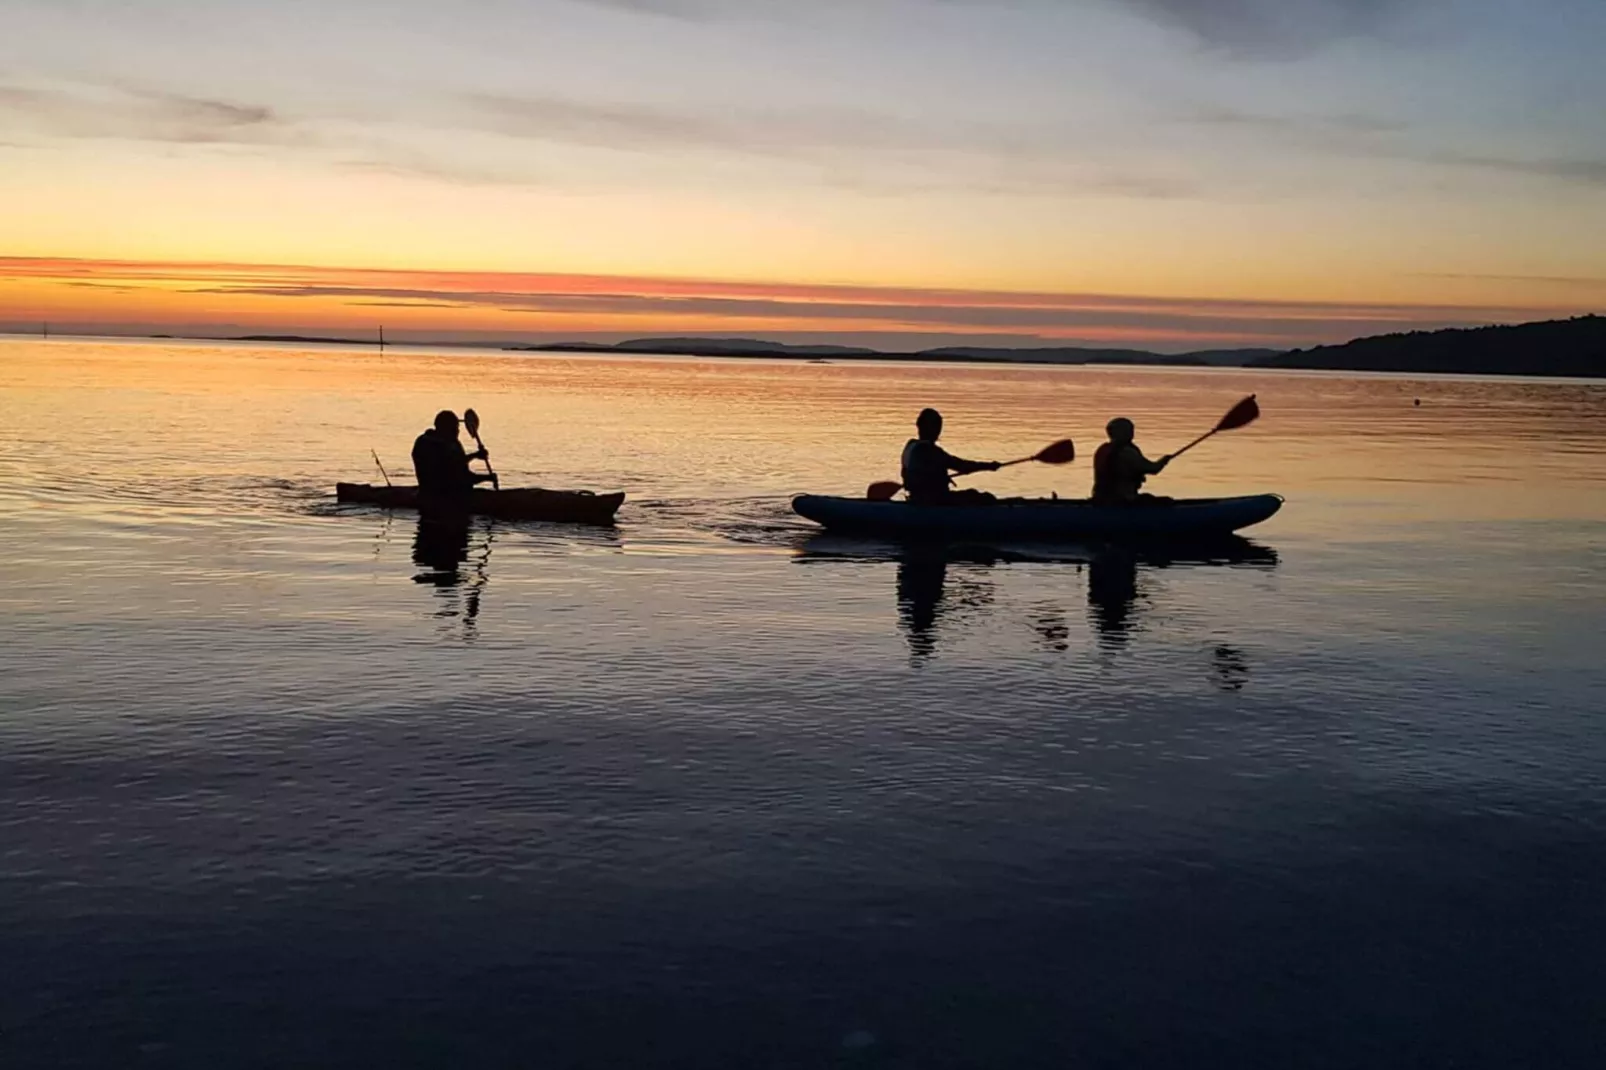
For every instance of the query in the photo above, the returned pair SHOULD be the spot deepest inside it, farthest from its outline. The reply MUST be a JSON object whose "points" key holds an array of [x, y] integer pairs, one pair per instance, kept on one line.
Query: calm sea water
{"points": [[284, 783]]}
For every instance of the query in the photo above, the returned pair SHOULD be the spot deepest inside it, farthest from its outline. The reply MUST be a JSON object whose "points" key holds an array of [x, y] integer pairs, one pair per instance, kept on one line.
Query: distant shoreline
{"points": [[1572, 348], [835, 358], [1066, 356]]}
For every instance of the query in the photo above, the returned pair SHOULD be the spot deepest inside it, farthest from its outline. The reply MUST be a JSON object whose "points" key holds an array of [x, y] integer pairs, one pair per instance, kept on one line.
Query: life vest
{"points": [[925, 470], [1107, 480]]}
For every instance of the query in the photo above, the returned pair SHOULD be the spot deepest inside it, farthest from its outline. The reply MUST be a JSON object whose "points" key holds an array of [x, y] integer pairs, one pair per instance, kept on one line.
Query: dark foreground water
{"points": [[286, 784]]}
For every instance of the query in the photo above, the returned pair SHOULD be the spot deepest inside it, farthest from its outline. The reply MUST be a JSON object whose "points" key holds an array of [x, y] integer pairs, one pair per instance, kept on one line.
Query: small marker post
{"points": [[381, 465]]}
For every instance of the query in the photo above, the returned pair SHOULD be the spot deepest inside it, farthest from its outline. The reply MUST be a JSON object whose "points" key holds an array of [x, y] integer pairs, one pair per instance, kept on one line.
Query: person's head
{"points": [[1120, 430], [446, 422], [929, 424]]}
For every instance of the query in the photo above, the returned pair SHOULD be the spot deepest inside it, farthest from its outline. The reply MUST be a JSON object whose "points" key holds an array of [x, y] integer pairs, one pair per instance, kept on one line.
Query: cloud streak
{"points": [[1274, 29], [141, 115], [582, 303], [1243, 29]]}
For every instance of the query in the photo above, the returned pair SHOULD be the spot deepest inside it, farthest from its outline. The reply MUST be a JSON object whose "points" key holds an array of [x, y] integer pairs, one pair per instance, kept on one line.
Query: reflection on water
{"points": [[1116, 596], [1231, 667], [929, 599], [926, 597], [986, 808], [1112, 594], [442, 548]]}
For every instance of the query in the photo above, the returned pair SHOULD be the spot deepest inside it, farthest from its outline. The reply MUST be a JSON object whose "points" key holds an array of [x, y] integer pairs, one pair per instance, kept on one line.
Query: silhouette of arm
{"points": [[1146, 466], [964, 467]]}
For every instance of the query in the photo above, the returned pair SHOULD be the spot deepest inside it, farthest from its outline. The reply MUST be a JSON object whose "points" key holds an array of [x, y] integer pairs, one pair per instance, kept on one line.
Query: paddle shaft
{"points": [[489, 470], [1194, 443]]}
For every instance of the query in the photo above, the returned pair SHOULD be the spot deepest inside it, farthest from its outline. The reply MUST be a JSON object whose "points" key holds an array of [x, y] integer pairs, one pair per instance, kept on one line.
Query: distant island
{"points": [[1571, 347], [756, 347], [303, 339]]}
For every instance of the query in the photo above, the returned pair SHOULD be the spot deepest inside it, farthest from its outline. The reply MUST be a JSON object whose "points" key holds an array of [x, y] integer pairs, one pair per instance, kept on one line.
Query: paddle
{"points": [[1061, 452], [471, 420], [1240, 415]]}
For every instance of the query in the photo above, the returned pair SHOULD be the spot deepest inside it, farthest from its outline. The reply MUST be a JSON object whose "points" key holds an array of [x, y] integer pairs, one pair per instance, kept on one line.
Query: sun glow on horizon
{"points": [[128, 296], [1095, 171]]}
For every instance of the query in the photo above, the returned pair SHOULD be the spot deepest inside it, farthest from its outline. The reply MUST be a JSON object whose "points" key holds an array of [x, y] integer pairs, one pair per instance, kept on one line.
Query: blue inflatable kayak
{"points": [[1039, 518]]}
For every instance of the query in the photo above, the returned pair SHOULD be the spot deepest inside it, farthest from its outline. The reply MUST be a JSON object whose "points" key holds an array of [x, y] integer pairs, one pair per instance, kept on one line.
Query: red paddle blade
{"points": [[471, 420], [883, 491], [1245, 412], [1061, 452]]}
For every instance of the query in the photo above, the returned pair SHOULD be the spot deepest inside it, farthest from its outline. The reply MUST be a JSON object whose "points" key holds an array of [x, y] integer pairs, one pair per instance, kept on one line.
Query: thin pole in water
{"points": [[381, 467], [381, 338]]}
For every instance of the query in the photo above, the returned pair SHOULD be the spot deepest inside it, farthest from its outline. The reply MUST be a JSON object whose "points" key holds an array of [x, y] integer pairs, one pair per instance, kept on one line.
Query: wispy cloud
{"points": [[1330, 124], [1582, 170], [1360, 135], [1274, 29], [1058, 315], [800, 132], [1248, 29], [1587, 281], [580, 303], [682, 9], [134, 114], [854, 149]]}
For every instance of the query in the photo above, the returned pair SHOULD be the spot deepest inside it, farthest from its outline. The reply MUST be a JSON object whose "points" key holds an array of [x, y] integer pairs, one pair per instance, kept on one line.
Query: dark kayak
{"points": [[1038, 518], [532, 503]]}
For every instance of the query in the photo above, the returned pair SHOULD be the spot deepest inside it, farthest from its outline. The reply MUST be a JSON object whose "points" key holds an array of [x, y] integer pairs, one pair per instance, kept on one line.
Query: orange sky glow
{"points": [[133, 296], [1168, 174]]}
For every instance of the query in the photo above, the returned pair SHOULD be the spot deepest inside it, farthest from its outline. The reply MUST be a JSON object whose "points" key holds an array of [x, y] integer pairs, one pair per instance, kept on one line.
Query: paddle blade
{"points": [[883, 491], [1245, 412], [471, 420], [1061, 452]]}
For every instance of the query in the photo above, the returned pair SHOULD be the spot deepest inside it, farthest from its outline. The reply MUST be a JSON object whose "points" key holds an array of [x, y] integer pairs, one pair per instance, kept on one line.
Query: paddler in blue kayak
{"points": [[441, 463], [1120, 469], [927, 467]]}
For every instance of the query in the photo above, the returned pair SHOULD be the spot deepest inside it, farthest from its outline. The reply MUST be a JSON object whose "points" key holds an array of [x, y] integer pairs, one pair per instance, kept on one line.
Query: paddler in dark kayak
{"points": [[441, 464], [927, 467], [1120, 469]]}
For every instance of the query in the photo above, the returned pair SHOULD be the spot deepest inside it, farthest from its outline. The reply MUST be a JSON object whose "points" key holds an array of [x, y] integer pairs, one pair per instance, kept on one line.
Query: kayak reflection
{"points": [[929, 598], [923, 595], [1115, 592], [1112, 593], [450, 556]]}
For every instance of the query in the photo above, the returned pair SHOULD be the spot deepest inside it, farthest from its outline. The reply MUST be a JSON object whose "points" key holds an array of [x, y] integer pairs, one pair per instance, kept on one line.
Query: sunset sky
{"points": [[1174, 173]]}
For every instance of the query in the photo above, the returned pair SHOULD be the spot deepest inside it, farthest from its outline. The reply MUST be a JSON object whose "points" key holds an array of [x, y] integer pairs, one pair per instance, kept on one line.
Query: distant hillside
{"points": [[299, 339], [1575, 347], [1082, 355], [706, 347], [756, 347]]}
